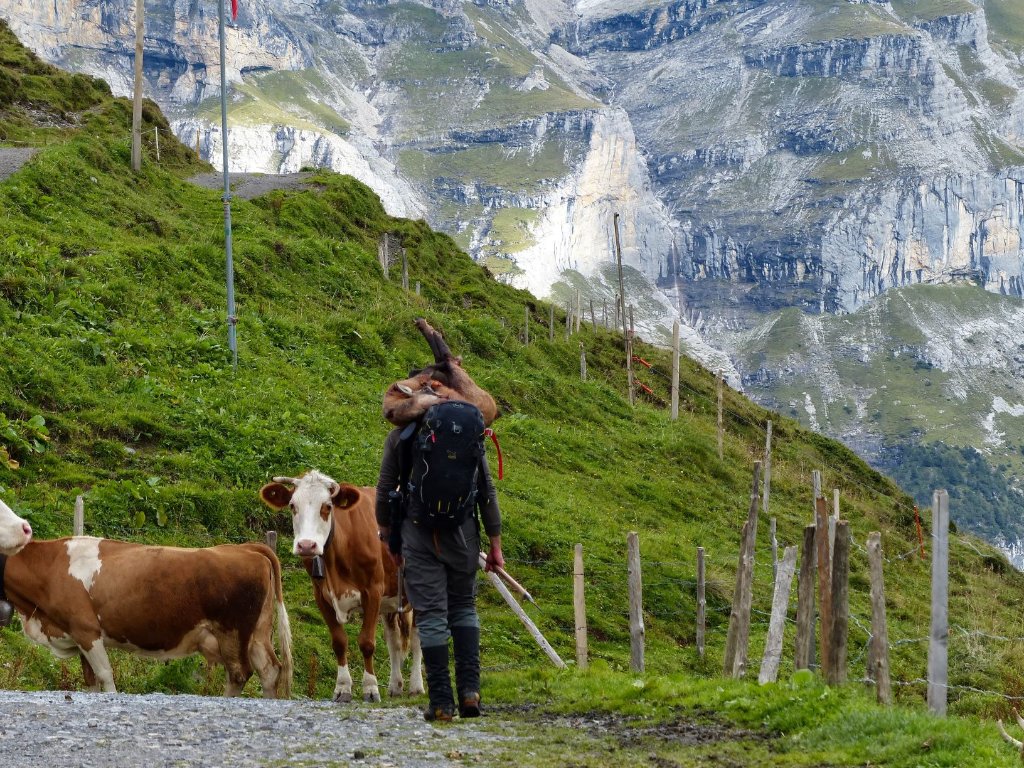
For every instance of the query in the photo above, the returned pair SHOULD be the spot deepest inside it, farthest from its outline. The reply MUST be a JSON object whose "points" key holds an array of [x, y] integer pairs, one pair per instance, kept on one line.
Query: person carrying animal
{"points": [[433, 480]]}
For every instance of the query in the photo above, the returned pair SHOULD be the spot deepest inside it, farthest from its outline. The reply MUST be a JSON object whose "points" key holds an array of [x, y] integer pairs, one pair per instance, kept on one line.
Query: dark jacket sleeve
{"points": [[490, 514], [387, 481]]}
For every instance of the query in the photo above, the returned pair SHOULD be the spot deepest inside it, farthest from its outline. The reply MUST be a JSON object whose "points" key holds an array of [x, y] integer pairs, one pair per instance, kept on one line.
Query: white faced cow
{"points": [[15, 533], [336, 537], [82, 595]]}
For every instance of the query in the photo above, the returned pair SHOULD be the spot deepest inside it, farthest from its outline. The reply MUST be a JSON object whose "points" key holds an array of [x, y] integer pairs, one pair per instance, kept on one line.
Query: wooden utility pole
{"points": [[675, 370], [137, 99], [938, 645], [622, 303]]}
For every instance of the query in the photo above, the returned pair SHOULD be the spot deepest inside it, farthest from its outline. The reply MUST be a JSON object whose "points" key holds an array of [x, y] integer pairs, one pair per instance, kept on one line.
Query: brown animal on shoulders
{"points": [[335, 535], [407, 400], [82, 595]]}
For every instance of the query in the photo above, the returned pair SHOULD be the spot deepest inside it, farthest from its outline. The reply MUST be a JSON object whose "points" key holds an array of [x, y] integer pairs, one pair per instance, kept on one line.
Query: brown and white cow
{"points": [[83, 595], [335, 529], [15, 532]]}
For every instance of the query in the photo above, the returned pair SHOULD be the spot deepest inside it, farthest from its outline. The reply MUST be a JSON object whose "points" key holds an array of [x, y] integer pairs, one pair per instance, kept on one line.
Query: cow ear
{"points": [[275, 495], [345, 496]]}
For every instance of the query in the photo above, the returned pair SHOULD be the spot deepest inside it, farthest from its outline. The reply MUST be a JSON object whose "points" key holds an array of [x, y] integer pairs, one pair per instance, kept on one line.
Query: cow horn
{"points": [[288, 480], [404, 389]]}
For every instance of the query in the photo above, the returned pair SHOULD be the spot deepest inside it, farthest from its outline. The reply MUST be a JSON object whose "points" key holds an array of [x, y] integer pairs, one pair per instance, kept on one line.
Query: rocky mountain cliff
{"points": [[762, 154]]}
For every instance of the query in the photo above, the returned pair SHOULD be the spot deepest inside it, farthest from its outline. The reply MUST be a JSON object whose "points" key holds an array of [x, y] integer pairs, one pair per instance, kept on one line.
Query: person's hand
{"points": [[495, 559]]}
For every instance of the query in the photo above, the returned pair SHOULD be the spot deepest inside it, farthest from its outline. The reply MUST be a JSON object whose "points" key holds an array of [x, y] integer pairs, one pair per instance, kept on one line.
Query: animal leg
{"points": [[396, 652], [88, 675], [416, 667], [264, 660], [96, 658], [368, 644]]}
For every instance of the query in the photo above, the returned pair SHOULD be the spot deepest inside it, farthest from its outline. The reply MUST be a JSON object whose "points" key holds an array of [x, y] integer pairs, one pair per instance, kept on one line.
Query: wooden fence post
{"points": [[879, 667], [272, 540], [156, 139], [824, 584], [738, 637], [405, 270], [833, 519], [938, 645], [579, 310], [568, 319], [701, 602], [675, 370], [517, 609], [805, 603], [773, 530], [79, 520], [777, 623], [840, 607], [583, 363], [720, 423], [579, 607], [417, 287], [636, 611], [593, 317]]}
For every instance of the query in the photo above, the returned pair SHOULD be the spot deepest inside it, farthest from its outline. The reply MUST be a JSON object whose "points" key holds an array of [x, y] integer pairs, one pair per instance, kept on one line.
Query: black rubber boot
{"points": [[467, 669], [439, 684]]}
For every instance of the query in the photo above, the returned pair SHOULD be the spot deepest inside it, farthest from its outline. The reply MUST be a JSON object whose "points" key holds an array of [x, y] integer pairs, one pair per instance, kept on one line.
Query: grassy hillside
{"points": [[116, 383]]}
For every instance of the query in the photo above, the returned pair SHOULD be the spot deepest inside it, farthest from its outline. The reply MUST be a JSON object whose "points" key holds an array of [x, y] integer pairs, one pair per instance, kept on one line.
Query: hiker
{"points": [[440, 559], [433, 492]]}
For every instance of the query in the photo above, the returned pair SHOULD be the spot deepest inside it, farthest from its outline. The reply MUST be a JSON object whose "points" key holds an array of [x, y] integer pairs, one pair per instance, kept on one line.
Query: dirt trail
{"points": [[249, 185], [11, 159]]}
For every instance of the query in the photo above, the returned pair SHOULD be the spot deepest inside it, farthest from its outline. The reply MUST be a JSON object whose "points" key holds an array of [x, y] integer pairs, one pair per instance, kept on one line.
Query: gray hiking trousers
{"points": [[440, 578]]}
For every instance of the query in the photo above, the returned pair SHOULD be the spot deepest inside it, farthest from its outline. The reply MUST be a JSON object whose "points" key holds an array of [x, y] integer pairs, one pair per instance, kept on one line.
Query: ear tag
{"points": [[318, 567], [6, 613]]}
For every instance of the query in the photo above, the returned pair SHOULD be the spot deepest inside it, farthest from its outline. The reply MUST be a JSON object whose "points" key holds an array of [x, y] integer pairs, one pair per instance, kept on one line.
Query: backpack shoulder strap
{"points": [[405, 440]]}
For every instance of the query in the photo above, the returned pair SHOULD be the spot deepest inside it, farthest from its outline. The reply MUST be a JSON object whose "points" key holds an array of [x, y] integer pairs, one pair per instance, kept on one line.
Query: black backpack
{"points": [[442, 460]]}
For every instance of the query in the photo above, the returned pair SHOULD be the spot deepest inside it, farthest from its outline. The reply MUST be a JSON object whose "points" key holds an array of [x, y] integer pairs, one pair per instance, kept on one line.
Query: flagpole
{"points": [[232, 319]]}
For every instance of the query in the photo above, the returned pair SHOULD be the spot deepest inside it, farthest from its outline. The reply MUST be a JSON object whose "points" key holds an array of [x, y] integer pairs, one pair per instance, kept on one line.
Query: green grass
{"points": [[116, 383], [917, 11]]}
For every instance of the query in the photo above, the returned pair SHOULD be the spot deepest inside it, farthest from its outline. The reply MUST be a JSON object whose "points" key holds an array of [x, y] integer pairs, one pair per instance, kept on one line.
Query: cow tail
{"points": [[284, 634]]}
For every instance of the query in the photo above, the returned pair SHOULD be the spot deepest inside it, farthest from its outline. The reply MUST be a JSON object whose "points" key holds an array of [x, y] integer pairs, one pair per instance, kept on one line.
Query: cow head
{"points": [[312, 499], [15, 533]]}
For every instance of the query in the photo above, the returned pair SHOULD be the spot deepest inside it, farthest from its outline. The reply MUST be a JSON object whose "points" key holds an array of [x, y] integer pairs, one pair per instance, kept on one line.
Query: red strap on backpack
{"points": [[494, 439]]}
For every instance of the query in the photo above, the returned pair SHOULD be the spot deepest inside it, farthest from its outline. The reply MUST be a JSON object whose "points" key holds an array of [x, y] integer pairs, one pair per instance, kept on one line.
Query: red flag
{"points": [[234, 9]]}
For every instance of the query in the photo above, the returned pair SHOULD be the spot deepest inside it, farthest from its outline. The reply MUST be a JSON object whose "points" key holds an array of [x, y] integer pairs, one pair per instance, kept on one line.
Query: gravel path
{"points": [[250, 185], [12, 159], [93, 730]]}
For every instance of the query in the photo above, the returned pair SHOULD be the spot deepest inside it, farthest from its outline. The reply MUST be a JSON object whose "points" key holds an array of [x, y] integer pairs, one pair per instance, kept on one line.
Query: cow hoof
{"points": [[371, 696], [416, 691], [343, 697], [395, 691]]}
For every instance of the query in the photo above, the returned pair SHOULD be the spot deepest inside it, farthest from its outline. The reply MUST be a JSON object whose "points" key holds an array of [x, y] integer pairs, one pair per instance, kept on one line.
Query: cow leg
{"points": [[264, 660], [416, 667], [88, 675], [343, 682], [238, 674], [95, 656], [396, 651], [368, 644]]}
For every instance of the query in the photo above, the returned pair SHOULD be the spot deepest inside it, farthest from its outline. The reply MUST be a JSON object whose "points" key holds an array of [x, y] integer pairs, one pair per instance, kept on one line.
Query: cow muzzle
{"points": [[307, 548]]}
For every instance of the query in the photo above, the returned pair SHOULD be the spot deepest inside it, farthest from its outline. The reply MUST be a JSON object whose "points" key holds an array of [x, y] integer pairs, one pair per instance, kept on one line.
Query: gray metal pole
{"points": [[232, 319]]}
